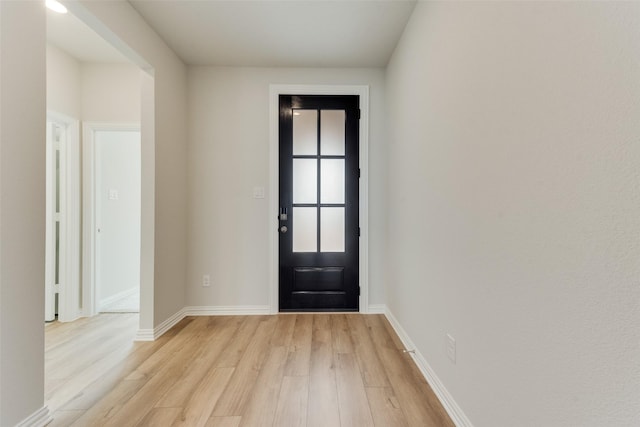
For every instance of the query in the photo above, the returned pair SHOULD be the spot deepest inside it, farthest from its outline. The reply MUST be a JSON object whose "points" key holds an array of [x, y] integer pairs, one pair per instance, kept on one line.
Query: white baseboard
{"points": [[158, 331], [450, 405], [40, 418], [144, 335], [377, 309], [120, 295], [213, 310]]}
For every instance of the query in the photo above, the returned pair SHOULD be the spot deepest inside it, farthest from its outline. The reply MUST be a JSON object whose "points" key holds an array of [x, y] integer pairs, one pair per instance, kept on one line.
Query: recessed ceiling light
{"points": [[56, 6]]}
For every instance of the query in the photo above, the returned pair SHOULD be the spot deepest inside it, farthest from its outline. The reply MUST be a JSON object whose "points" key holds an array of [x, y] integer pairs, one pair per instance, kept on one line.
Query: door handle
{"points": [[283, 229]]}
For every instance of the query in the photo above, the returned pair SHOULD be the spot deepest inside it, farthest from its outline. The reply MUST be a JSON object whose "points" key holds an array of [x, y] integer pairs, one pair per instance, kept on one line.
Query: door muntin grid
{"points": [[320, 168]]}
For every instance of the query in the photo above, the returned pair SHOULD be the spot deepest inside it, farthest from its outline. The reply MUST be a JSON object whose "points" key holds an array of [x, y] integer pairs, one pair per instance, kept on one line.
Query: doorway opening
{"points": [[100, 81], [112, 207]]}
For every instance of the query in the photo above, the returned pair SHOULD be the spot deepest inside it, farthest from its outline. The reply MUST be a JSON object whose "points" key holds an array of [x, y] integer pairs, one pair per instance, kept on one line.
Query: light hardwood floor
{"points": [[325, 370]]}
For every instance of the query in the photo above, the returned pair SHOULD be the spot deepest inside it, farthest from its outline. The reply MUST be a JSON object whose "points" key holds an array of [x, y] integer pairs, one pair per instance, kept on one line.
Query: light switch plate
{"points": [[451, 348], [113, 194], [258, 192]]}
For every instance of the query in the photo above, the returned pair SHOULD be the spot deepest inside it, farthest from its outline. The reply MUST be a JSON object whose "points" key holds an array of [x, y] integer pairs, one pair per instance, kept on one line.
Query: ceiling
{"points": [[273, 33], [74, 37], [276, 33]]}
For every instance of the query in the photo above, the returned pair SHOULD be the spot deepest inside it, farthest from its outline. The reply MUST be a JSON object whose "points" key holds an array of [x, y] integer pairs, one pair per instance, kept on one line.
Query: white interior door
{"points": [[117, 204], [54, 253], [62, 240]]}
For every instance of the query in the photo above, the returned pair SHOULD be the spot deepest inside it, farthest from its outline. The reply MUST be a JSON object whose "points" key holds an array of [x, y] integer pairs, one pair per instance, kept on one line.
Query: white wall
{"points": [[22, 209], [92, 92], [164, 181], [229, 156], [514, 165], [63, 82], [110, 93]]}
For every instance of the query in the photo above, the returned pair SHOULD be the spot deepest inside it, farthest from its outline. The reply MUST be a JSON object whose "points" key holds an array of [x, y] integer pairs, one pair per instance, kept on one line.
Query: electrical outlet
{"points": [[206, 280], [451, 348]]}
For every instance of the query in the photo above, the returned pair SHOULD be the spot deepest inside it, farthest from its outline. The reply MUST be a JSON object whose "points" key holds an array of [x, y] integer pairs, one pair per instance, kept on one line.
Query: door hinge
{"points": [[358, 290], [359, 115], [358, 231], [359, 173]]}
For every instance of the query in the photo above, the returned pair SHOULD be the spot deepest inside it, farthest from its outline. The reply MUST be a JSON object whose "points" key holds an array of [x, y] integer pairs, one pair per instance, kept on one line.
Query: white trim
{"points": [[158, 331], [450, 405], [245, 310], [227, 310], [89, 256], [88, 221], [40, 418], [145, 335], [49, 270], [120, 295], [377, 309], [163, 327], [81, 12], [70, 288], [363, 92]]}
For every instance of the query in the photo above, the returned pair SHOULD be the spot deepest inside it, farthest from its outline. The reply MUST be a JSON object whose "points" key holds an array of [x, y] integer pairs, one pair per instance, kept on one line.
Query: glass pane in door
{"points": [[332, 229], [332, 181], [305, 132], [305, 181], [332, 132], [305, 229]]}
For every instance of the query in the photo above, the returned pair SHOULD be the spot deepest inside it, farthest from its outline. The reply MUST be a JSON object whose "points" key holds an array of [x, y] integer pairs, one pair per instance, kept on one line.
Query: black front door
{"points": [[318, 218]]}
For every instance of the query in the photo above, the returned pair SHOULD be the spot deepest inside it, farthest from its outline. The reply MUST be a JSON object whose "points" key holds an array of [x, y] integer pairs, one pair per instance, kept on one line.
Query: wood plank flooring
{"points": [[328, 370]]}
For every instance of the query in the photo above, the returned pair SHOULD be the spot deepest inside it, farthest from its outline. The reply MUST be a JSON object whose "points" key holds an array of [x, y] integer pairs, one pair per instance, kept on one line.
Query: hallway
{"points": [[290, 369]]}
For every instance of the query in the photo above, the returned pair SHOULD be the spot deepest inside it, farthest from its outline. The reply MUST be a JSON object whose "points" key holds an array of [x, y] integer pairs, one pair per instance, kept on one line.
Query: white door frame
{"points": [[363, 92], [69, 304], [89, 228]]}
